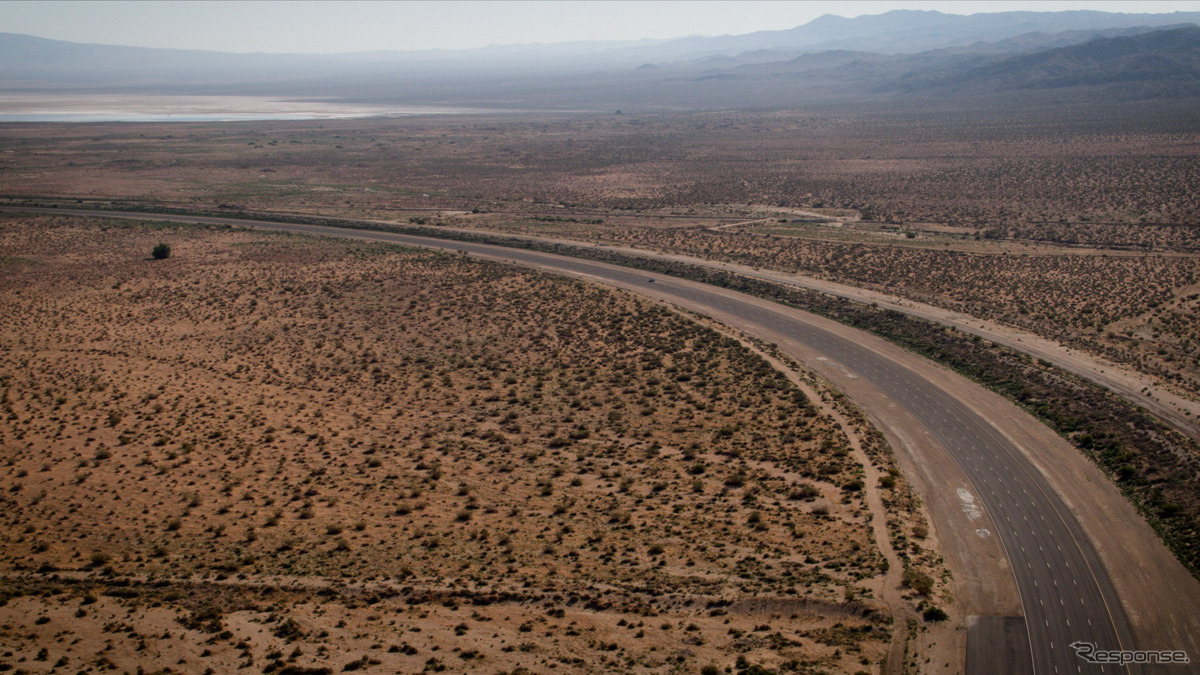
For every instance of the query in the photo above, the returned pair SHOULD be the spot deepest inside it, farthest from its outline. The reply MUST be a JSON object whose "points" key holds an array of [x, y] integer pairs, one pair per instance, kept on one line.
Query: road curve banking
{"points": [[1066, 591]]}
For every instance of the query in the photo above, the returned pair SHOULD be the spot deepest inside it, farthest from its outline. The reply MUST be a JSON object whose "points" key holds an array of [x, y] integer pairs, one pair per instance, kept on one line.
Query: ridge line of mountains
{"points": [[898, 55]]}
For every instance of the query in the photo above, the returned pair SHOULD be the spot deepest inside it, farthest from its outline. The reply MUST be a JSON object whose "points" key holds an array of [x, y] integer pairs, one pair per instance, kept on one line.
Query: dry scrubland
{"points": [[1086, 173], [993, 197], [283, 454], [1136, 308]]}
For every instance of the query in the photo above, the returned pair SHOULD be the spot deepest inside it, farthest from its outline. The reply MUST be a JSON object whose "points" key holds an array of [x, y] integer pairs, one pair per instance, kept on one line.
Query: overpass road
{"points": [[1063, 572]]}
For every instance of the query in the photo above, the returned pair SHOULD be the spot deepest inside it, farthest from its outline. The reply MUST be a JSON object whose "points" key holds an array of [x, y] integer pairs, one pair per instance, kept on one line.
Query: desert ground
{"points": [[285, 454], [1078, 226], [262, 437]]}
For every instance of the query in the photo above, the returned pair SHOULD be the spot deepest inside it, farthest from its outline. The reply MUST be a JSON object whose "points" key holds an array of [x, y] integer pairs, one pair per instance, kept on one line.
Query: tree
{"points": [[161, 251]]}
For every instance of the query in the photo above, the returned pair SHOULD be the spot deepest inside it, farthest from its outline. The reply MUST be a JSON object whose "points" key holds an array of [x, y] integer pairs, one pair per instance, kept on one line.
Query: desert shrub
{"points": [[289, 630], [918, 581], [161, 251], [304, 670], [935, 614]]}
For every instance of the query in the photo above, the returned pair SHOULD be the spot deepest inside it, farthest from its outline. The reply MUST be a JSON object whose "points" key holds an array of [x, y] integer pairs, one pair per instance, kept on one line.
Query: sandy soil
{"points": [[270, 452]]}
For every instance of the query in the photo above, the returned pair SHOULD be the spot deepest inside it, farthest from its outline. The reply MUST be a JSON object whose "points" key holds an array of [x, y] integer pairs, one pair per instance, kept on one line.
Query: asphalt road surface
{"points": [[1066, 593]]}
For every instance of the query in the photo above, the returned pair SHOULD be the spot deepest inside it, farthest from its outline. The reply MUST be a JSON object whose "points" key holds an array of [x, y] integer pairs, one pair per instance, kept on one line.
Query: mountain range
{"points": [[896, 55]]}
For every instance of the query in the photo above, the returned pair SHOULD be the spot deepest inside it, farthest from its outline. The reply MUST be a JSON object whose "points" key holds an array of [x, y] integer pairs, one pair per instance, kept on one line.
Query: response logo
{"points": [[1088, 652]]}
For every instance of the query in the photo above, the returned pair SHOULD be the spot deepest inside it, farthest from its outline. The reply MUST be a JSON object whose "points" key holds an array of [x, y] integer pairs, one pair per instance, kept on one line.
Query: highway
{"points": [[1066, 592]]}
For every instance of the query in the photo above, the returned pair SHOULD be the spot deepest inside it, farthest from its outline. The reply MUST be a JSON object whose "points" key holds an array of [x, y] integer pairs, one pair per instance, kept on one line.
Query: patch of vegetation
{"points": [[468, 449], [1152, 464]]}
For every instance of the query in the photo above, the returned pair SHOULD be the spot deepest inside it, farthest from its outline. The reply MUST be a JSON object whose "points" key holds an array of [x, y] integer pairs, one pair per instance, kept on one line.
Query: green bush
{"points": [[918, 581], [935, 614]]}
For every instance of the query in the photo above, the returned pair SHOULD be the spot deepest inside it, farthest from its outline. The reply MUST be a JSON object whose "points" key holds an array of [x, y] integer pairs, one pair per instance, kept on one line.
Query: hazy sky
{"points": [[324, 27]]}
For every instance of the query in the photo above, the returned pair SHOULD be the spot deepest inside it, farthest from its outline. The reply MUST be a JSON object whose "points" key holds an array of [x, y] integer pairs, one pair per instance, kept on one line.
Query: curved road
{"points": [[1170, 407], [1066, 592]]}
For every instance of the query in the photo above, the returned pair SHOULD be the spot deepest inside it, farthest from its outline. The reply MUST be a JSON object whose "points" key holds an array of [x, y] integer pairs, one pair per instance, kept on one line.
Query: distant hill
{"points": [[893, 55], [1159, 57], [903, 32]]}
